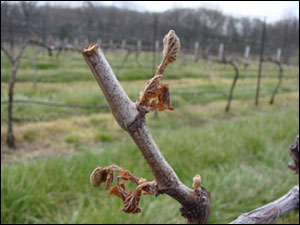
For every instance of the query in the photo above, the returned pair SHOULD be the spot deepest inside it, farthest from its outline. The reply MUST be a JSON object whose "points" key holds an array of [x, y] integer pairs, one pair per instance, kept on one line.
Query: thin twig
{"points": [[280, 76], [9, 56]]}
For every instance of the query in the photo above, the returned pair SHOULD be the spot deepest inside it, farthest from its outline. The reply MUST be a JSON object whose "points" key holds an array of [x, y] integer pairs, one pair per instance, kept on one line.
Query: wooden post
{"points": [[137, 52], [221, 52], [196, 51], [139, 46], [123, 45], [66, 41], [156, 46], [246, 56], [278, 54], [76, 42]]}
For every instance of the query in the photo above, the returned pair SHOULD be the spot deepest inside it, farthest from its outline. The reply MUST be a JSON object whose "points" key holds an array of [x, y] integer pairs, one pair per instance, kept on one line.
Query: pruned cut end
{"points": [[90, 48]]}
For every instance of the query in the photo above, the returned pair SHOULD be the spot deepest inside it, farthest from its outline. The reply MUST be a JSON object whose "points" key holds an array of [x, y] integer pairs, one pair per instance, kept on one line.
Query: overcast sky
{"points": [[273, 10]]}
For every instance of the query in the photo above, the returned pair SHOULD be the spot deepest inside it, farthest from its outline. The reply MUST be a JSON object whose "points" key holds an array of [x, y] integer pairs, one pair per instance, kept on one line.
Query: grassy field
{"points": [[241, 155]]}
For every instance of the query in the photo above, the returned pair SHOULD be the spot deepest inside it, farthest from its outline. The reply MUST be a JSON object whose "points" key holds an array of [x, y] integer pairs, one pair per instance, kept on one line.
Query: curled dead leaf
{"points": [[109, 179], [125, 175], [130, 199], [98, 176], [164, 98], [155, 95], [131, 202], [104, 174], [115, 190]]}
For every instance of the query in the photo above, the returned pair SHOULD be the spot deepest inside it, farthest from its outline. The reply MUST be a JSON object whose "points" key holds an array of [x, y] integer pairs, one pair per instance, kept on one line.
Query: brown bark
{"points": [[280, 76], [10, 135], [10, 140]]}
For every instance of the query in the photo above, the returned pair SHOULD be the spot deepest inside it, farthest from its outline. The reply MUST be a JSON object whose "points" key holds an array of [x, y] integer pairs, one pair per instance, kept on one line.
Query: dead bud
{"points": [[197, 183]]}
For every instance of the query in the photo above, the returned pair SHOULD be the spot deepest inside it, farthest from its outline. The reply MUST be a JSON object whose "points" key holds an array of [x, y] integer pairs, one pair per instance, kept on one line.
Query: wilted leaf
{"points": [[164, 98], [125, 175], [109, 180], [115, 190], [132, 201], [156, 95], [98, 176]]}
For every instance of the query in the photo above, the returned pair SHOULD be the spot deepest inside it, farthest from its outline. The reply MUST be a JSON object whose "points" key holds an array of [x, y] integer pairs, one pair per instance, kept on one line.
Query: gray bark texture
{"points": [[133, 121], [196, 203]]}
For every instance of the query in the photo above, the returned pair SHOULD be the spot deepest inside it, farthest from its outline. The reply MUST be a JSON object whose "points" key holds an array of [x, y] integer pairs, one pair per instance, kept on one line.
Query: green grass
{"points": [[241, 169], [70, 67], [72, 139], [105, 136], [87, 93], [30, 135], [241, 155]]}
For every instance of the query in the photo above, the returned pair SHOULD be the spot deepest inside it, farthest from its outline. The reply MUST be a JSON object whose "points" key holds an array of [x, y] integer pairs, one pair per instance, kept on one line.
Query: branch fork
{"points": [[131, 117], [195, 202]]}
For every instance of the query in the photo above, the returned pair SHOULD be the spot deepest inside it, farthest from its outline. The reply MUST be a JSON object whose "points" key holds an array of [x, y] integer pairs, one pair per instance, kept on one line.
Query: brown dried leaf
{"points": [[98, 176], [156, 95], [151, 91], [115, 190], [164, 98], [131, 202], [125, 175], [109, 180]]}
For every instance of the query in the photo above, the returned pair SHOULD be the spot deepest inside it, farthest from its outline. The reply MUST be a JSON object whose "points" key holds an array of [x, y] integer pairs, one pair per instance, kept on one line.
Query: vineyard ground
{"points": [[241, 155]]}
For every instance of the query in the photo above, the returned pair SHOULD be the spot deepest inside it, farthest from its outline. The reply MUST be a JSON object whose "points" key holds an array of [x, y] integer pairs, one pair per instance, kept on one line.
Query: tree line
{"points": [[209, 27]]}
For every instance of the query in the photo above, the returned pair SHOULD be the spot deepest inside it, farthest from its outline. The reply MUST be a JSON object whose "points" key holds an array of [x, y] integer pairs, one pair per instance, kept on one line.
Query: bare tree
{"points": [[207, 26], [15, 62]]}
